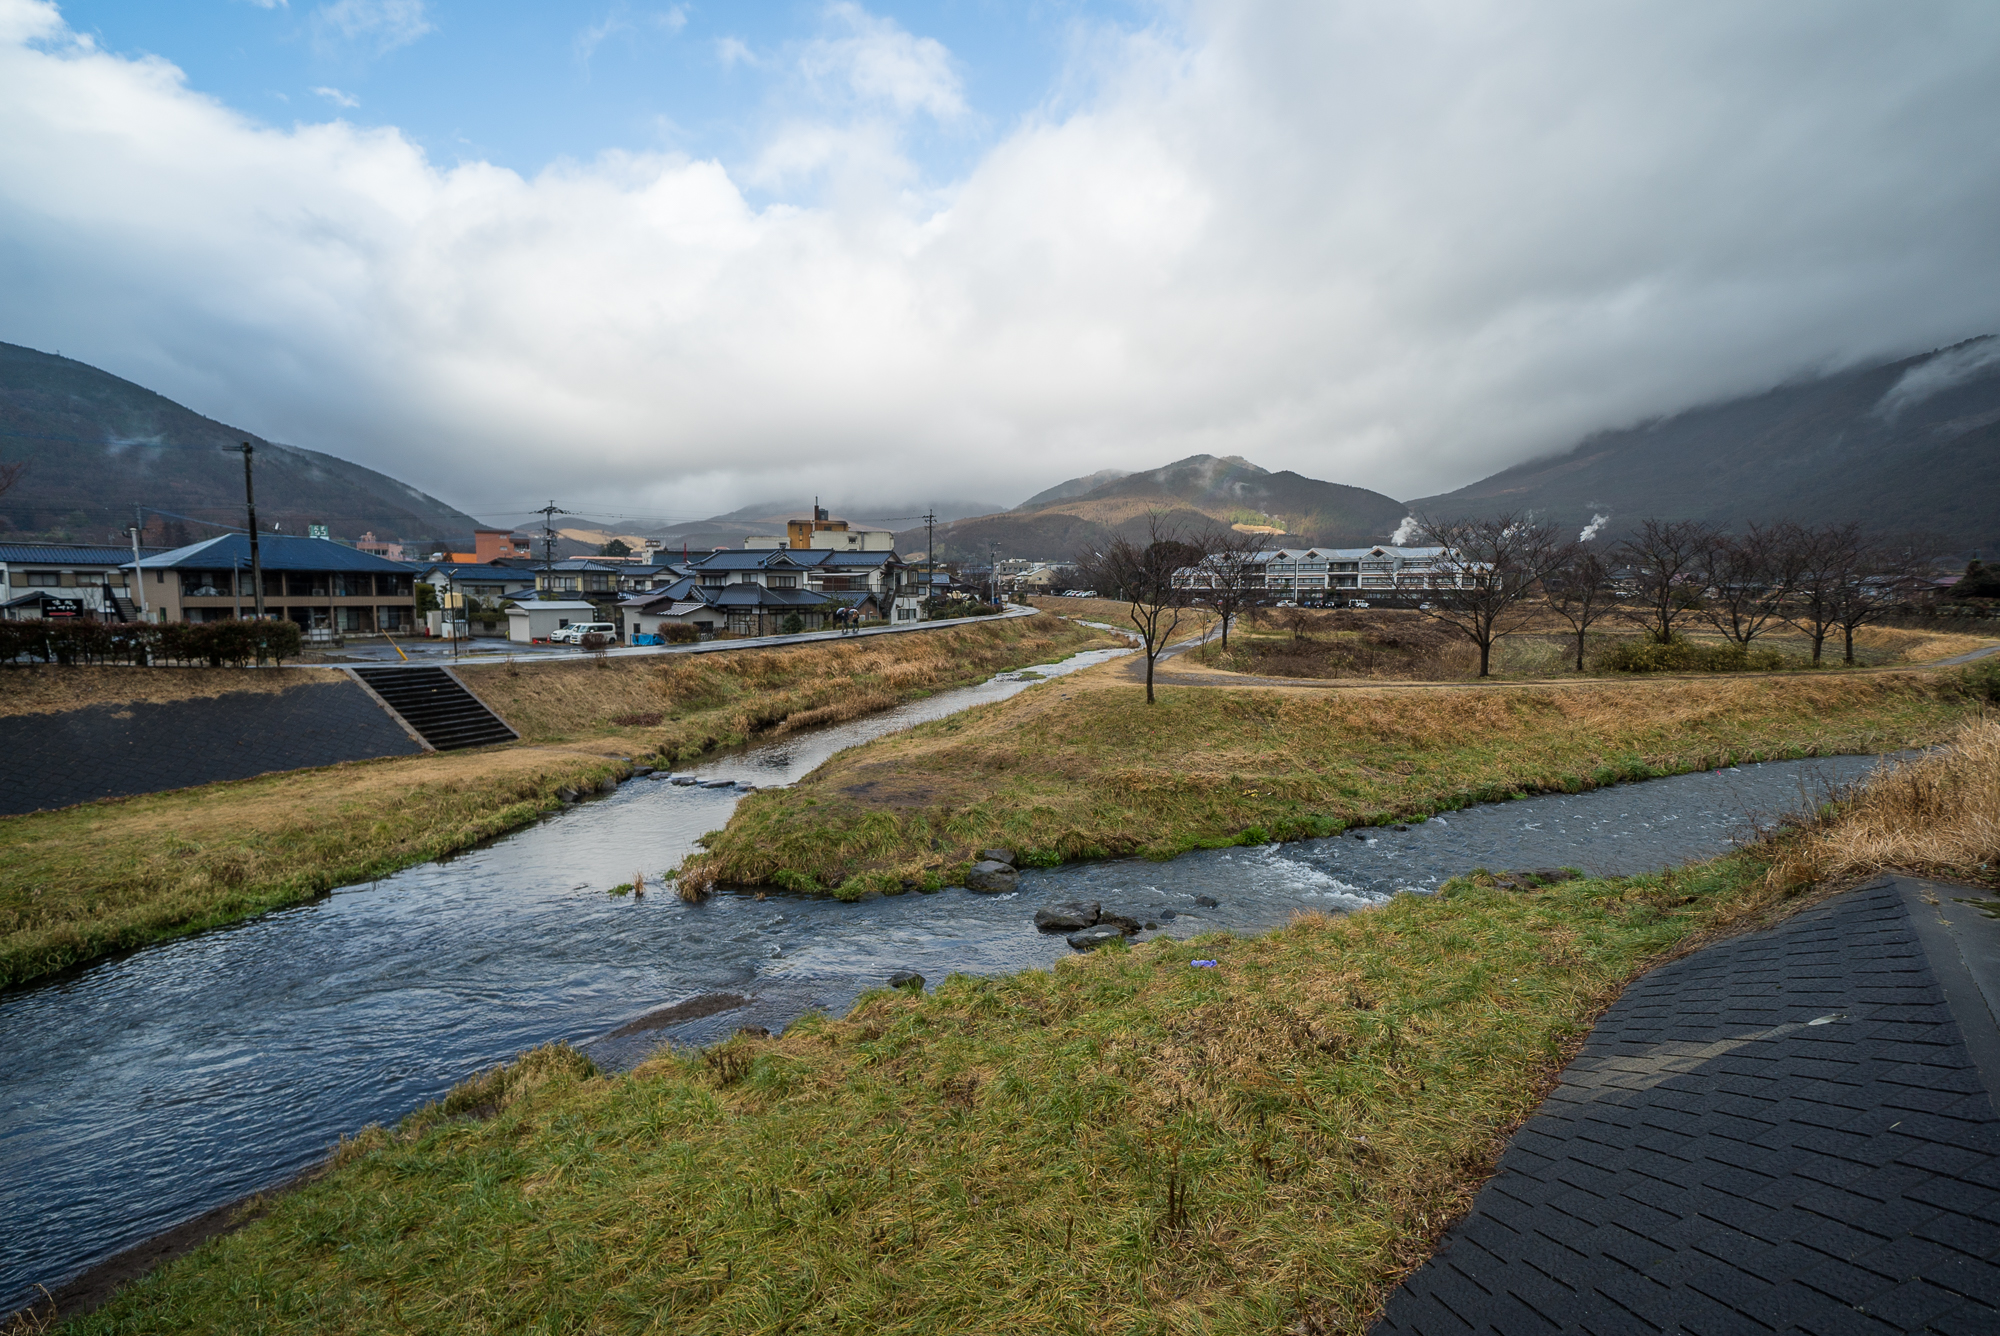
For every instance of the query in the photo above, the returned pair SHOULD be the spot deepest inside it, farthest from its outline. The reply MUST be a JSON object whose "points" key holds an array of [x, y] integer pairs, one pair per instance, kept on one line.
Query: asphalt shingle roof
{"points": [[276, 552], [55, 554]]}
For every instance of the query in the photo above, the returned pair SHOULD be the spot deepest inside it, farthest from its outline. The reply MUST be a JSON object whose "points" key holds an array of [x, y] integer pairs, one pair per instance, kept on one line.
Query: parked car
{"points": [[574, 633], [1357, 602]]}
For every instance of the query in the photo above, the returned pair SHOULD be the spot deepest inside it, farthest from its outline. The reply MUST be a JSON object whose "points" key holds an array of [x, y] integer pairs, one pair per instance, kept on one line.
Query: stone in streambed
{"points": [[907, 979], [991, 875], [1000, 856], [1067, 916], [1126, 925], [1207, 901], [1092, 938]]}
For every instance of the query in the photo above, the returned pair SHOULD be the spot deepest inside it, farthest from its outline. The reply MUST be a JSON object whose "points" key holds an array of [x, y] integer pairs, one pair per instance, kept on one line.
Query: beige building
{"points": [[318, 583]]}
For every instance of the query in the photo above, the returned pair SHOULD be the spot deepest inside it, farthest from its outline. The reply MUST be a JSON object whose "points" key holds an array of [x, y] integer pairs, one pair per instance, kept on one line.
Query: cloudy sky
{"points": [[665, 259]]}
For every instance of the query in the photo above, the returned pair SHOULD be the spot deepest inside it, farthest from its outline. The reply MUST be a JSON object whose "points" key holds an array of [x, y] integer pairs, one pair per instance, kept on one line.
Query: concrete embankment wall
{"points": [[106, 751]]}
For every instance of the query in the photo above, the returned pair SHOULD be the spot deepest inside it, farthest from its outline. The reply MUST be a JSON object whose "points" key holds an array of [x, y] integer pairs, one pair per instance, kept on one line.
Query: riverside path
{"points": [[1791, 1131]]}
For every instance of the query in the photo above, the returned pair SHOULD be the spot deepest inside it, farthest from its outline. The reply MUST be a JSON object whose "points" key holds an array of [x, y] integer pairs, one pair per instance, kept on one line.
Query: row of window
{"points": [[65, 579], [294, 584], [348, 621]]}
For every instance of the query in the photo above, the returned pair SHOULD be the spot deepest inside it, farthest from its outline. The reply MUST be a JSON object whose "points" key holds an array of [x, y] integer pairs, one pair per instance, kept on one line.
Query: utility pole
{"points": [[930, 556], [548, 514], [138, 575], [250, 505], [993, 570]]}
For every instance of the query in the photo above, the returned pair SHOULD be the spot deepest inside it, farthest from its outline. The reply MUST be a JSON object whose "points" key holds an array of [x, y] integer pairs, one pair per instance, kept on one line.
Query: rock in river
{"points": [[1207, 901], [992, 875], [1067, 916], [907, 979], [1000, 856], [1092, 938]]}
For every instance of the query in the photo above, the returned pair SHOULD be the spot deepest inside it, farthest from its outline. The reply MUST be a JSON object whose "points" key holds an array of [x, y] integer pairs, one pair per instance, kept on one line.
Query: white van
{"points": [[574, 633]]}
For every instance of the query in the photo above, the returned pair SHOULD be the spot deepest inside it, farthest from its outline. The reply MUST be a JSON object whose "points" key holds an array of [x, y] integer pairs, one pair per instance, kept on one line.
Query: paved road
{"points": [[1791, 1131], [435, 653]]}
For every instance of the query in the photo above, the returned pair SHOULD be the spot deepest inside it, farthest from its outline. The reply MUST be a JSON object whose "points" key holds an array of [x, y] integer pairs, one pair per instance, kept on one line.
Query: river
{"points": [[149, 1088]]}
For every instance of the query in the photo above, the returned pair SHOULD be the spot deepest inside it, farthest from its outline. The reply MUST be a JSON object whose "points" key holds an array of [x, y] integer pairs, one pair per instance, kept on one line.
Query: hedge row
{"points": [[78, 640]]}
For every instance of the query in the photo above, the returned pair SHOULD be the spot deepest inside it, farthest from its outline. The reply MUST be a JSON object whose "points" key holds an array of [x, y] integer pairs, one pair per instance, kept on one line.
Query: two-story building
{"points": [[320, 584], [880, 577], [36, 578]]}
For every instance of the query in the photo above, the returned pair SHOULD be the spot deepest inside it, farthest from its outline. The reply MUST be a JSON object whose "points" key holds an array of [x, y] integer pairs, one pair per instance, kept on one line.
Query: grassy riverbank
{"points": [[87, 881], [1083, 768], [682, 706], [1123, 1143]]}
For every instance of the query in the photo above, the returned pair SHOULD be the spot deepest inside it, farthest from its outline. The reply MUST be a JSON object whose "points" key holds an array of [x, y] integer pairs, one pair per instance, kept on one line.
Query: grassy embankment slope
{"points": [[85, 881], [1124, 1143], [1083, 768]]}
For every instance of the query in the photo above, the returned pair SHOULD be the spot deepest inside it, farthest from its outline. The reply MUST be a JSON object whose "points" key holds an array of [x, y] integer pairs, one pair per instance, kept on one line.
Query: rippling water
{"points": [[150, 1088]]}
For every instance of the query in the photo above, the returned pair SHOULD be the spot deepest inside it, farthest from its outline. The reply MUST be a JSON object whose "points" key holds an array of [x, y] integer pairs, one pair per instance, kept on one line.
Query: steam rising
{"points": [[1407, 533], [1591, 529], [1953, 366]]}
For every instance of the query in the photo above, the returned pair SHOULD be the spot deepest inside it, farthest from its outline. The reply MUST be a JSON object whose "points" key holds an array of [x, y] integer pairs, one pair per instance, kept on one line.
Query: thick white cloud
{"points": [[1394, 245]]}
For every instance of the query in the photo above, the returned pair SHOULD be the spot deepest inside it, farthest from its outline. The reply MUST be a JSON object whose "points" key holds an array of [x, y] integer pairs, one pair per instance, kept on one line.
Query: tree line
{"points": [[1495, 576]]}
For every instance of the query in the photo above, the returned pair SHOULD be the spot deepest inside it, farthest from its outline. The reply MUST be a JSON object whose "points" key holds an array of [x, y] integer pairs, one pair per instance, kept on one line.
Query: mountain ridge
{"points": [[1910, 445], [96, 445]]}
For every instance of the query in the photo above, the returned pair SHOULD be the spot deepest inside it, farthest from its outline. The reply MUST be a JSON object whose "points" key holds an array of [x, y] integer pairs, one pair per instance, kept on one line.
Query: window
{"points": [[44, 580], [596, 583], [784, 582]]}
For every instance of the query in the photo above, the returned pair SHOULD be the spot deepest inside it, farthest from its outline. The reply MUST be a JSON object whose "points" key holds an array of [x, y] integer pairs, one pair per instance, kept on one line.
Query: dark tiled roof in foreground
{"points": [[1785, 1132]]}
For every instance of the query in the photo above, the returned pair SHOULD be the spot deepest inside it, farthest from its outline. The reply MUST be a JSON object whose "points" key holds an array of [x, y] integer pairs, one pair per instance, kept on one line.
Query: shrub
{"points": [[1681, 655], [82, 640], [674, 634]]}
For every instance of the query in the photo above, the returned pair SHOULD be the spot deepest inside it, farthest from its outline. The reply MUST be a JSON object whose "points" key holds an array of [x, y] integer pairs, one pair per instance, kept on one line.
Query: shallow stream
{"points": [[150, 1088]]}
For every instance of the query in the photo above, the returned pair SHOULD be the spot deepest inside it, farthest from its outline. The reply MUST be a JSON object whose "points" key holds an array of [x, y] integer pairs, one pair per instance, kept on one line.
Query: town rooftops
{"points": [[736, 559], [476, 570], [76, 554], [276, 552], [826, 556]]}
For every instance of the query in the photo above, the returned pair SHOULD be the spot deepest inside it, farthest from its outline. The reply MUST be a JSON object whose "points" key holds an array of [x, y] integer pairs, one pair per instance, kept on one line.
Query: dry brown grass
{"points": [[685, 704], [1918, 646], [1117, 612], [81, 882], [1086, 769], [1937, 816], [49, 690], [84, 881]]}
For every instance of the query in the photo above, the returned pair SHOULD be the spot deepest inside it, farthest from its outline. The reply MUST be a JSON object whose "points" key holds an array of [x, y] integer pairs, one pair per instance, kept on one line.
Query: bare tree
{"points": [[1885, 576], [11, 474], [1229, 578], [1580, 591], [1666, 559], [1149, 578], [1825, 557], [1748, 579], [1485, 573]]}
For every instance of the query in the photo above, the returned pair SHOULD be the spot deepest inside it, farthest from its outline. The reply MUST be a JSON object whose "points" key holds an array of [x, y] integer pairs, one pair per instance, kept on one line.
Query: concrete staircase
{"points": [[433, 703]]}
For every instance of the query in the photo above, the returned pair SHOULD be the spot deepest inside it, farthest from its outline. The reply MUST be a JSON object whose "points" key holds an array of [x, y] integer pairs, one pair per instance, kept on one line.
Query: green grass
{"points": [[1123, 1143], [1103, 774]]}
